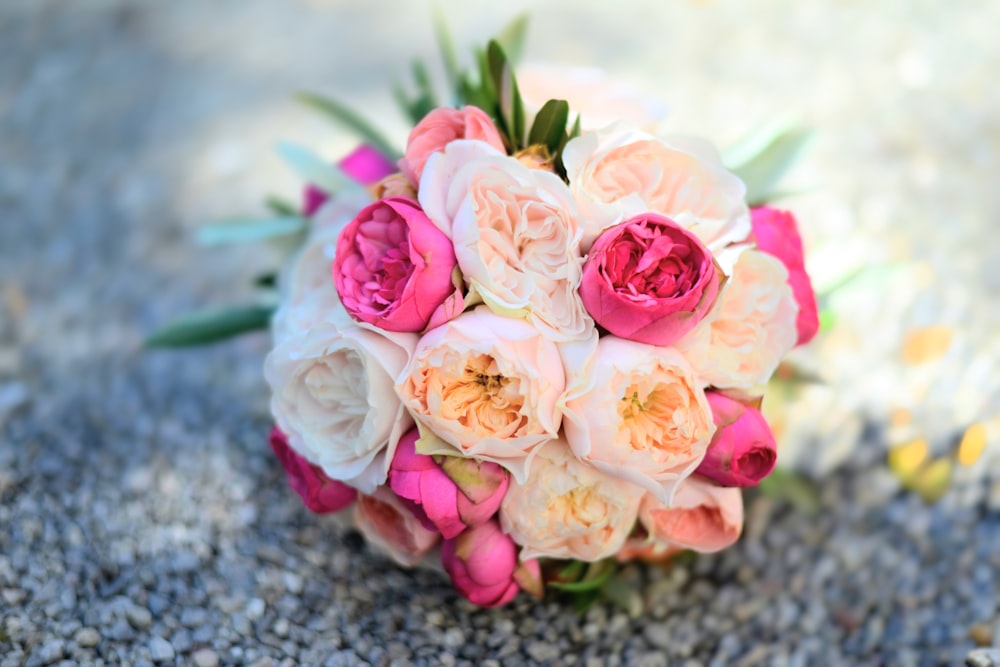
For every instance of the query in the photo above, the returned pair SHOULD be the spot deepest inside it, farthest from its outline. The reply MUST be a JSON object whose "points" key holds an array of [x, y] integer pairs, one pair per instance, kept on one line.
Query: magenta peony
{"points": [[320, 493], [364, 164]]}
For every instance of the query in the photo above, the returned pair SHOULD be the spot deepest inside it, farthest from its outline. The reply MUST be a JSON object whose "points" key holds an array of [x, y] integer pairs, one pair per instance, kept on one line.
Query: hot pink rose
{"points": [[390, 526], [452, 495], [743, 450], [320, 493], [777, 233], [364, 164], [649, 280], [393, 267], [439, 128], [483, 566]]}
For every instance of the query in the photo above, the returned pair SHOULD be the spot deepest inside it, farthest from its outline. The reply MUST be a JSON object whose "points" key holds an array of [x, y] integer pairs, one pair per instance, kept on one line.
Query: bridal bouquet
{"points": [[528, 350]]}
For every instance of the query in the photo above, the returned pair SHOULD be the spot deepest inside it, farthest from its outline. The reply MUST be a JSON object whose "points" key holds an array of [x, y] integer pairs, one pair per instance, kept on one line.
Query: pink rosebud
{"points": [[390, 526], [742, 451], [777, 234], [483, 566], [457, 493], [364, 164], [320, 493], [649, 280], [439, 128], [394, 268]]}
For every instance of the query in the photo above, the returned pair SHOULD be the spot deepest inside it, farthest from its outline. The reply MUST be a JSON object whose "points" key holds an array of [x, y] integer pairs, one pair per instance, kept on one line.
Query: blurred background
{"points": [[126, 125]]}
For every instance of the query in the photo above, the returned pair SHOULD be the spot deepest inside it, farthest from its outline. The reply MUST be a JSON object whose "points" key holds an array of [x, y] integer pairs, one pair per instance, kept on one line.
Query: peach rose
{"points": [[751, 328], [621, 171], [515, 232], [486, 385], [642, 416], [703, 517], [388, 525], [332, 395], [439, 128], [568, 508]]}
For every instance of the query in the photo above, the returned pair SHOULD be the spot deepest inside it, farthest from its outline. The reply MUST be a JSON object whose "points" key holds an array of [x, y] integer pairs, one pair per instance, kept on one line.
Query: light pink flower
{"points": [[642, 416], [364, 164], [752, 327], [388, 525], [319, 493], [703, 517], [394, 268], [483, 565], [452, 492], [439, 128], [567, 508], [777, 233], [743, 450], [649, 280], [620, 171], [487, 385]]}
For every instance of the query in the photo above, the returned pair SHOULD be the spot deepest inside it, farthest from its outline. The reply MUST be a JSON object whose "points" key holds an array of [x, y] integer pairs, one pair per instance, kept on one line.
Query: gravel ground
{"points": [[142, 519]]}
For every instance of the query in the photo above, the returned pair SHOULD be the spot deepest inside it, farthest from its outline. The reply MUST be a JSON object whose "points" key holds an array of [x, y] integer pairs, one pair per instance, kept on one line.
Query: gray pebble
{"points": [[87, 637], [983, 657], [160, 650], [139, 617], [205, 657]]}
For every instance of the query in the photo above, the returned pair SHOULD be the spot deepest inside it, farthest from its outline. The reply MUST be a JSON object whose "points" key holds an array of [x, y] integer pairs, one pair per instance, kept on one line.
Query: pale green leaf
{"points": [[351, 120], [246, 231], [761, 158], [513, 36], [313, 169]]}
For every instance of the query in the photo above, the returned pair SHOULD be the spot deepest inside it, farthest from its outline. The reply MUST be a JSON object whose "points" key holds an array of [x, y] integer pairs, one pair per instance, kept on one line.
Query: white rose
{"points": [[333, 396], [516, 235], [621, 171], [751, 328]]}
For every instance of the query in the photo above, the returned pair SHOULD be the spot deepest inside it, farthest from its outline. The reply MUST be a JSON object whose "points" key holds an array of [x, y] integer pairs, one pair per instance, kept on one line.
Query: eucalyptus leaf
{"points": [[352, 121], [245, 231], [281, 206], [761, 163], [313, 169], [582, 602], [782, 484], [513, 36], [211, 326], [511, 106], [549, 128]]}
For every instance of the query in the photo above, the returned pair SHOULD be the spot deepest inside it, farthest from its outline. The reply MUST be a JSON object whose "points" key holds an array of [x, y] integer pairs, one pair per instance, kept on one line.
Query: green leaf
{"points": [[582, 602], [763, 157], [572, 571], [244, 231], [513, 36], [597, 573], [794, 489], [448, 57], [624, 595], [827, 319], [313, 169], [510, 103], [211, 326], [549, 128], [351, 120], [266, 280], [281, 206]]}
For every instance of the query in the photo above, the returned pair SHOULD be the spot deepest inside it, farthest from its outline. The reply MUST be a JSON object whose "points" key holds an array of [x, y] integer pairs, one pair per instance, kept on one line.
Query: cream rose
{"points": [[516, 235], [568, 508], [642, 416], [486, 385], [390, 526], [621, 171], [332, 395], [703, 517], [751, 328]]}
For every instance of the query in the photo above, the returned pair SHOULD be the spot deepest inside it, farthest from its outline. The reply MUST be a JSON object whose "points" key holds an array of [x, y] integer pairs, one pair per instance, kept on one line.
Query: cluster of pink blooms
{"points": [[498, 361]]}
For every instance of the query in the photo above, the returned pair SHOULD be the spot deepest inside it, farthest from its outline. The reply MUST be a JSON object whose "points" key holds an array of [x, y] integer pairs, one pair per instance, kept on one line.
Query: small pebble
{"points": [[205, 657], [160, 650], [87, 637]]}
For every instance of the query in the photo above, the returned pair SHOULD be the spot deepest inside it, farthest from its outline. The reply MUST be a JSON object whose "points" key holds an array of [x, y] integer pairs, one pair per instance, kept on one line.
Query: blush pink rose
{"points": [[483, 565], [649, 280], [743, 450], [364, 164], [777, 233], [391, 527], [451, 495], [439, 128], [393, 267], [320, 493], [703, 517]]}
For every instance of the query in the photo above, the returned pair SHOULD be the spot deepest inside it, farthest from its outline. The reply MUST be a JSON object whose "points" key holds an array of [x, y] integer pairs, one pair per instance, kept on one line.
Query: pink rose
{"points": [[390, 526], [320, 493], [483, 566], [649, 280], [439, 128], [393, 267], [743, 450], [459, 492], [703, 517], [364, 164], [777, 233]]}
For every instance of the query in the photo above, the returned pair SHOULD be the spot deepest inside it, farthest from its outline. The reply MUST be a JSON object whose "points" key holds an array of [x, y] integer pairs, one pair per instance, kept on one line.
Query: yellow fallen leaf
{"points": [[926, 344], [906, 459], [972, 445], [933, 480]]}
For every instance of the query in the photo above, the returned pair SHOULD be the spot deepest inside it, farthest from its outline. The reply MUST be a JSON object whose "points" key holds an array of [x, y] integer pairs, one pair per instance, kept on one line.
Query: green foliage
{"points": [[761, 158], [245, 231], [211, 326], [351, 120], [794, 489]]}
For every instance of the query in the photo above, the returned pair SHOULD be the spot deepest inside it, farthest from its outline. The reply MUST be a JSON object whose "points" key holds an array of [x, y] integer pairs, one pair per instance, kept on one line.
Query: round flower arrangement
{"points": [[523, 343]]}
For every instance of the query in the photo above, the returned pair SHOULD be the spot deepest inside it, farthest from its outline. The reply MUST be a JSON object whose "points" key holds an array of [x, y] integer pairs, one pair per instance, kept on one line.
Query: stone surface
{"points": [[143, 517]]}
